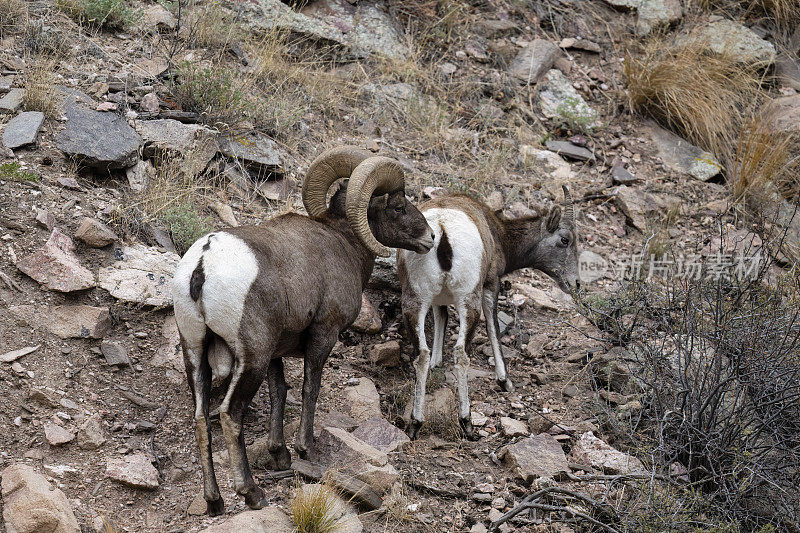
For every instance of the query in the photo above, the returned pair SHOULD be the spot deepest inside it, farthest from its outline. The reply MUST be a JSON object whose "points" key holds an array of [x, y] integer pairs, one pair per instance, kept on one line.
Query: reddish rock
{"points": [[95, 233], [56, 435], [386, 354], [135, 471], [31, 505], [368, 320], [381, 435], [56, 266], [536, 456], [601, 455]]}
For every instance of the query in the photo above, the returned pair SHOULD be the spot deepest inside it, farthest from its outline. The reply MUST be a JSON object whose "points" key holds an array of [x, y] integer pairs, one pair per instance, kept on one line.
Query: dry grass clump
{"points": [[13, 16], [211, 27], [784, 13], [698, 95], [395, 505], [316, 509], [218, 94], [39, 82], [105, 14]]}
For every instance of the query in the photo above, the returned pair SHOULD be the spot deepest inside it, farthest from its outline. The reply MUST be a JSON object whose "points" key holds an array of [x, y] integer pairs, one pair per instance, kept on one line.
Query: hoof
{"points": [[255, 499], [281, 458], [413, 429], [466, 429], [215, 507], [506, 385]]}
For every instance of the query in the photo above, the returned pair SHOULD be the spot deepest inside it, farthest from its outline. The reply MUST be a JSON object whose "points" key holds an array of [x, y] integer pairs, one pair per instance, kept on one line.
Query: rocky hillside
{"points": [[131, 128]]}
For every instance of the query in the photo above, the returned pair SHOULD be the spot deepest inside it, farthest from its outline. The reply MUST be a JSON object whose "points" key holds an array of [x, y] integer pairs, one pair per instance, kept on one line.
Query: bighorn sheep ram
{"points": [[248, 296], [474, 247]]}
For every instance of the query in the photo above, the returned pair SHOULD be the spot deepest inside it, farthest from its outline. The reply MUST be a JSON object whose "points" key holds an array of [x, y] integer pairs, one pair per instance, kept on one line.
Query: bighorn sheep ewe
{"points": [[248, 296], [474, 247]]}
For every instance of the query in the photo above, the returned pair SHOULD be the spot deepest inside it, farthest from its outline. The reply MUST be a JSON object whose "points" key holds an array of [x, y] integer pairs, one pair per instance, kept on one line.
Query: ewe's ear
{"points": [[553, 219]]}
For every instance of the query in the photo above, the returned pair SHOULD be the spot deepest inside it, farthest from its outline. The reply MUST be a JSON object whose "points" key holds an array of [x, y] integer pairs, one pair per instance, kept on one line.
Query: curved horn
{"points": [[379, 175], [569, 208], [328, 167]]}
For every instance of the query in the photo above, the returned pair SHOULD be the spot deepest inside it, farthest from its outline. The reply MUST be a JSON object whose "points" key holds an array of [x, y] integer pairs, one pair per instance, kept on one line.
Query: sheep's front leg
{"points": [[277, 400], [415, 325], [198, 373], [492, 327], [467, 318], [244, 384], [318, 349], [439, 329]]}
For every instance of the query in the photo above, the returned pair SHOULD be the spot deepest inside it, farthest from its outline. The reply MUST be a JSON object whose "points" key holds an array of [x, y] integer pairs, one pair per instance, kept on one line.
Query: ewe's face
{"points": [[397, 223], [558, 250]]}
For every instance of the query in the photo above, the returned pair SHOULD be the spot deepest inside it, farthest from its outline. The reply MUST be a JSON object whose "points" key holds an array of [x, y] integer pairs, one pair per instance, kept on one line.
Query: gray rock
{"points": [[32, 505], [96, 139], [385, 354], [169, 354], [45, 219], [141, 275], [783, 115], [682, 156], [115, 353], [639, 206], [536, 456], [196, 143], [559, 100], [94, 233], [513, 427], [567, 149], [622, 176], [91, 435], [12, 101], [268, 520], [596, 452], [363, 401], [23, 129], [259, 153], [56, 266], [342, 450], [651, 13], [728, 37], [364, 28], [67, 321], [534, 60], [56, 435], [368, 319], [134, 470], [384, 275], [139, 174], [787, 70], [150, 103], [381, 435], [13, 355], [159, 18]]}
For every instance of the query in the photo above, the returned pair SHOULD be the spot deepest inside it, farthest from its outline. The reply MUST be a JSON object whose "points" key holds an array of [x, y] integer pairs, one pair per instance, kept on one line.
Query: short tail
{"points": [[197, 280]]}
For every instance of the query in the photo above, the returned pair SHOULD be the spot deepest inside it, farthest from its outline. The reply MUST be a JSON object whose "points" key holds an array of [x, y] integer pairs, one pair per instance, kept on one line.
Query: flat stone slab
{"points": [[363, 401], [534, 60], [141, 275], [268, 520], [23, 129], [135, 471], [12, 101], [728, 37], [98, 139], [572, 151], [559, 100], [381, 435], [56, 266], [536, 456], [601, 455], [67, 321], [682, 156], [258, 152]]}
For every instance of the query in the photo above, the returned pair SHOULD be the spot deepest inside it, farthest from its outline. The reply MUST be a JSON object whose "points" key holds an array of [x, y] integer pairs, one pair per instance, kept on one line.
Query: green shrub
{"points": [[106, 14], [185, 225], [13, 171], [216, 93]]}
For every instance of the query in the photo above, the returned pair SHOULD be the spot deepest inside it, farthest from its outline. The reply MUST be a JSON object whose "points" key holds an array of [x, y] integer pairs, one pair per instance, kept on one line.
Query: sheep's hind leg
{"points": [[318, 349], [467, 318], [415, 324], [281, 457], [244, 385], [198, 373], [439, 330], [489, 302]]}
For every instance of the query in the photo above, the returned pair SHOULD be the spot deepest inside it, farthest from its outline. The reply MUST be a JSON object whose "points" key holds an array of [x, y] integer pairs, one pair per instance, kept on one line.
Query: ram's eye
{"points": [[564, 241], [398, 210]]}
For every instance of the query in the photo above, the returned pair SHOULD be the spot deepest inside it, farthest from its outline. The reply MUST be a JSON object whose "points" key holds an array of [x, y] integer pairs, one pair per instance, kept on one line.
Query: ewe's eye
{"points": [[564, 241]]}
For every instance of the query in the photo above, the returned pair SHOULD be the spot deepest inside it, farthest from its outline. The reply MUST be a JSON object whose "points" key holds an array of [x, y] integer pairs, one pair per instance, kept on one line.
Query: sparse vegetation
{"points": [[41, 91], [105, 14], [185, 225], [13, 16], [216, 93], [14, 171], [315, 509]]}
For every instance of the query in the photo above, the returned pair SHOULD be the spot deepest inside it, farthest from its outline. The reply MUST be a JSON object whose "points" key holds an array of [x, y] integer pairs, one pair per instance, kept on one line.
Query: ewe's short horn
{"points": [[376, 175], [328, 167], [569, 207]]}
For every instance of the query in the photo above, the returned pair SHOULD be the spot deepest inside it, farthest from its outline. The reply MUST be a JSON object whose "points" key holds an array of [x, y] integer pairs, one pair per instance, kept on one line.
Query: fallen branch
{"points": [[445, 493]]}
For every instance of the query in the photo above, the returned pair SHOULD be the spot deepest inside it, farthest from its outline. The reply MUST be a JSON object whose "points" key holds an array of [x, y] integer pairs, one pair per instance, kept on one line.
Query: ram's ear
{"points": [[553, 219], [383, 201]]}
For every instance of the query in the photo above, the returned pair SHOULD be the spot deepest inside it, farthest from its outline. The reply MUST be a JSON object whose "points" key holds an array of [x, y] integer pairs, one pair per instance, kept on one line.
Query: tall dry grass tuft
{"points": [[784, 13], [316, 509], [39, 81], [700, 96], [13, 16]]}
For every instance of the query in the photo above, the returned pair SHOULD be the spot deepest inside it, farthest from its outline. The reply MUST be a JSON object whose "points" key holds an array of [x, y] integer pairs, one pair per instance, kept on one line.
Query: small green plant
{"points": [[13, 171], [316, 509], [215, 93], [185, 224], [576, 115], [105, 14]]}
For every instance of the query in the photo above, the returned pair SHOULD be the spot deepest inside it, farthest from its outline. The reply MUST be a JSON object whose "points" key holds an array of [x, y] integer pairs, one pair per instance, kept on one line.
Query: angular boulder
{"points": [[23, 129], [368, 320], [56, 435], [725, 36], [267, 520], [381, 435], [638, 205], [136, 471], [141, 275], [682, 156], [783, 115], [559, 100], [598, 453], [513, 427], [385, 354], [258, 152], [94, 233], [56, 266], [11, 102], [91, 434], [97, 139], [536, 456], [363, 401], [31, 505], [534, 60], [171, 136]]}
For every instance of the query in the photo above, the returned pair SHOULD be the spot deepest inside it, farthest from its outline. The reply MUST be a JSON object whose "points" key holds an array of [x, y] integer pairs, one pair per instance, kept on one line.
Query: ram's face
{"points": [[397, 223]]}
